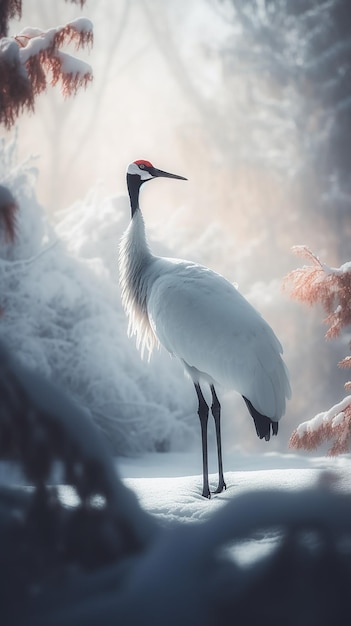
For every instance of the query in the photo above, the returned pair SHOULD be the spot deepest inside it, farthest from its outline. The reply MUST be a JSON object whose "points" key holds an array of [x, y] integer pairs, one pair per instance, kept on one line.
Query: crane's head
{"points": [[146, 171], [138, 173]]}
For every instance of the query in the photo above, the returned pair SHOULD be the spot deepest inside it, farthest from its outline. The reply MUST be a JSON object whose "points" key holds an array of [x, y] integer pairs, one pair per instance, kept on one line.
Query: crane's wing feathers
{"points": [[203, 320]]}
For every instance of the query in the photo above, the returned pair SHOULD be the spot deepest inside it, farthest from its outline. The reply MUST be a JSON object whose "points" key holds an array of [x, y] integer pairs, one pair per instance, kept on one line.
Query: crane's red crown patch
{"points": [[143, 162]]}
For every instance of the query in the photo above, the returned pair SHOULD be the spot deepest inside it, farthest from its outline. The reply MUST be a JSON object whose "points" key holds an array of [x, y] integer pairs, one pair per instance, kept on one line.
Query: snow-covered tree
{"points": [[331, 287], [33, 59]]}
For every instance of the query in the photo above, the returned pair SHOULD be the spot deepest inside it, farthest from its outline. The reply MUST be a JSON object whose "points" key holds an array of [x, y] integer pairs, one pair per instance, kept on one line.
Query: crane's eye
{"points": [[142, 166]]}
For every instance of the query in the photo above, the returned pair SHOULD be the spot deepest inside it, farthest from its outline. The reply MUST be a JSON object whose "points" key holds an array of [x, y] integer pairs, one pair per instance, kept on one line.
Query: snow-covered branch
{"points": [[33, 59], [330, 287], [332, 425]]}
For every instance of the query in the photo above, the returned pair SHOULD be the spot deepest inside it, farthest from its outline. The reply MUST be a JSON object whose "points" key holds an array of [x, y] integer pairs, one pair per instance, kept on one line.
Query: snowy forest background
{"points": [[250, 101]]}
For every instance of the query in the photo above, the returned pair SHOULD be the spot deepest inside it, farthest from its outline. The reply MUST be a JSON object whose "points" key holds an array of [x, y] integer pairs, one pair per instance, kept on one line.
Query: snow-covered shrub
{"points": [[62, 317]]}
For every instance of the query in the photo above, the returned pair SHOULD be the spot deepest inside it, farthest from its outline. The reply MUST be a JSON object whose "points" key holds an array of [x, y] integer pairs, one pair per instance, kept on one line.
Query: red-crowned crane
{"points": [[202, 319]]}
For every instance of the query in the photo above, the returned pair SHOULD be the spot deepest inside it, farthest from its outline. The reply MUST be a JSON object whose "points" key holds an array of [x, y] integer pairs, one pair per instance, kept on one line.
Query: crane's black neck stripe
{"points": [[134, 183]]}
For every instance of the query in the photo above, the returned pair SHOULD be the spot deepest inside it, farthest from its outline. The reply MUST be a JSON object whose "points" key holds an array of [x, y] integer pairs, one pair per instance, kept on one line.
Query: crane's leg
{"points": [[203, 415], [216, 412]]}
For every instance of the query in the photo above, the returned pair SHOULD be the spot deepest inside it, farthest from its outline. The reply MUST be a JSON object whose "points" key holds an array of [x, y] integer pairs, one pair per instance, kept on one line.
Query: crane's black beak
{"points": [[155, 172]]}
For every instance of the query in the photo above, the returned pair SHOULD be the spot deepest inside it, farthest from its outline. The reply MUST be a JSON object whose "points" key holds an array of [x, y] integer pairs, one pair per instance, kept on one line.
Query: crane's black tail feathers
{"points": [[263, 423]]}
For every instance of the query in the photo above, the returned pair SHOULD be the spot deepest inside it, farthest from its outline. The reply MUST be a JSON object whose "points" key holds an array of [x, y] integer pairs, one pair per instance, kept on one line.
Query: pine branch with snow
{"points": [[33, 59], [330, 287], [333, 425]]}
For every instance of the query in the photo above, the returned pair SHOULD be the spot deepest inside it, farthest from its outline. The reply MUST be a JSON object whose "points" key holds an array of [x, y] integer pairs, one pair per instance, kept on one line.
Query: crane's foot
{"points": [[206, 493], [220, 487]]}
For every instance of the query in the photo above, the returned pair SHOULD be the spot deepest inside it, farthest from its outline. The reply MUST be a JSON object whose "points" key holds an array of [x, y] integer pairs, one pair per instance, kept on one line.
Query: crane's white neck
{"points": [[134, 263], [134, 242]]}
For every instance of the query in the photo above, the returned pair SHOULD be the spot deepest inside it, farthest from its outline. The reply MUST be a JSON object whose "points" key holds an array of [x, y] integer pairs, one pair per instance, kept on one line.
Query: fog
{"points": [[250, 102]]}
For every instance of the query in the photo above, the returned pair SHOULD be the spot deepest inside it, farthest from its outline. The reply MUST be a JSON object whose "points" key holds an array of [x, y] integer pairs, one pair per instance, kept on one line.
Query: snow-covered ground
{"points": [[191, 550], [169, 485]]}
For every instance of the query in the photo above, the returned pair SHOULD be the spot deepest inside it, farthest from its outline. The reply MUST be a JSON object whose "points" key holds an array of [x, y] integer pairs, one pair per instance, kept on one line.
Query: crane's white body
{"points": [[202, 319]]}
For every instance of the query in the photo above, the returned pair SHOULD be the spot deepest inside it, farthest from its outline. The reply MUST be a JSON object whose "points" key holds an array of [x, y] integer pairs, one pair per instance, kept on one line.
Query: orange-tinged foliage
{"points": [[318, 283], [334, 427], [346, 362], [330, 287]]}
